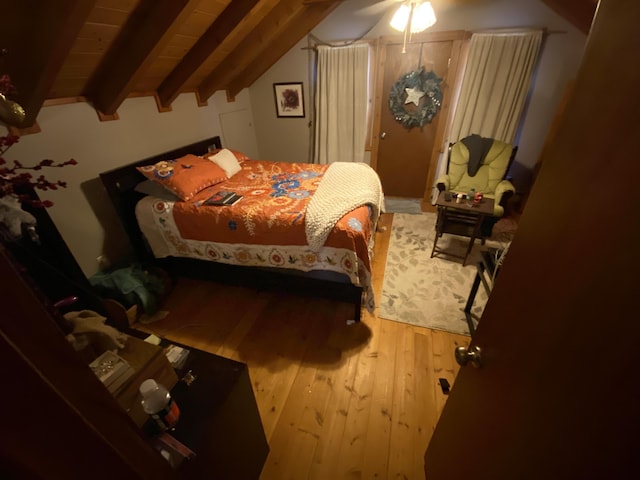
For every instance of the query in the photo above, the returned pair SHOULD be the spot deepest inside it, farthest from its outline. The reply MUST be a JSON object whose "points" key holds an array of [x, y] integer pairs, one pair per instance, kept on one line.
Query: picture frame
{"points": [[289, 99]]}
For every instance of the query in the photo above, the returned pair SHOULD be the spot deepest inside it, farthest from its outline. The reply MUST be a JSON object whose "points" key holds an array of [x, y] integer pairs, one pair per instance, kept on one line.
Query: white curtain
{"points": [[495, 85], [341, 103], [494, 90]]}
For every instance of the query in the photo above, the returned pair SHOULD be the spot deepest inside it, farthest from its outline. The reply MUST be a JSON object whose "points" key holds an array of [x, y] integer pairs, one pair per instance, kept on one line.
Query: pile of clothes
{"points": [[133, 285]]}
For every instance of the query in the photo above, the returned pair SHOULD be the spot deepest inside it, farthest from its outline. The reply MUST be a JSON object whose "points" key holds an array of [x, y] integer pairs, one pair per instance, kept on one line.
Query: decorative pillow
{"points": [[226, 160], [241, 157], [184, 176]]}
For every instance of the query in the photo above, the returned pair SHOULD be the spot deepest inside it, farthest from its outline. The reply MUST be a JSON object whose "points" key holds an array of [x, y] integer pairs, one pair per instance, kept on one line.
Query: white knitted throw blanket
{"points": [[345, 186]]}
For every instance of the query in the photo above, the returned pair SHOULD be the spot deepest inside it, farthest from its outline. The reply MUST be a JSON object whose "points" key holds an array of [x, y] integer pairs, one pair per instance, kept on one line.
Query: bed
{"points": [[302, 227]]}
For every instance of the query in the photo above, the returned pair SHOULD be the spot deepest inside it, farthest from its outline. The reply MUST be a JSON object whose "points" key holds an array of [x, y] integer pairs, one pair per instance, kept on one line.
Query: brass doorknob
{"points": [[473, 355]]}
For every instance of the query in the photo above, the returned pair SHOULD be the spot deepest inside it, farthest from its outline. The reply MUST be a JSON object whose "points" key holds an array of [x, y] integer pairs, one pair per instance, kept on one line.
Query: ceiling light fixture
{"points": [[413, 17]]}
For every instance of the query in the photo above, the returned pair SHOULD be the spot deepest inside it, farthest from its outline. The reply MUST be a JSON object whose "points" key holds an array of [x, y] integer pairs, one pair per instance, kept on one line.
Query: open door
{"points": [[557, 395]]}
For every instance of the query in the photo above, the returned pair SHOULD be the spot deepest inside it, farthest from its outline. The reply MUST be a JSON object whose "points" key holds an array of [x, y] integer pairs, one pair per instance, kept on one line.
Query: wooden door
{"points": [[406, 159], [558, 394]]}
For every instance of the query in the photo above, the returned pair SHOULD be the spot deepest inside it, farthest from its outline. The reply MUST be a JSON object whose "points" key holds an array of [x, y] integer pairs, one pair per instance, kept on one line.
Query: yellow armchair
{"points": [[482, 164]]}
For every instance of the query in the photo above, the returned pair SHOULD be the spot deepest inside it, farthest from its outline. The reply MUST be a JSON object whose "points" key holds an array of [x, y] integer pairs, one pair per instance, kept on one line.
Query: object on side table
{"points": [[481, 164], [112, 370], [172, 450], [159, 405], [177, 356]]}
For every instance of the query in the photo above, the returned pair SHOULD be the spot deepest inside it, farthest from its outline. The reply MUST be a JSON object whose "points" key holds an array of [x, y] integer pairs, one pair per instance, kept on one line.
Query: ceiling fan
{"points": [[412, 16], [420, 11]]}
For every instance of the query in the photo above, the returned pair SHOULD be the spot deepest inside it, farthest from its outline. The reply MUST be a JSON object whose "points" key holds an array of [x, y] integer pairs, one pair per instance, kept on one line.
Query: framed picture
{"points": [[289, 99]]}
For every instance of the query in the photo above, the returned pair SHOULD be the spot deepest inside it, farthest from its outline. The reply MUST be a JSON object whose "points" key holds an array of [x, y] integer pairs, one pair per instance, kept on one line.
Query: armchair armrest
{"points": [[504, 191], [443, 183]]}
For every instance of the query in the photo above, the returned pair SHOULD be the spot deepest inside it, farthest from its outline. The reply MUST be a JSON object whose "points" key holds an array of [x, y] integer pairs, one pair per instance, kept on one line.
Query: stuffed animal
{"points": [[13, 216], [89, 327]]}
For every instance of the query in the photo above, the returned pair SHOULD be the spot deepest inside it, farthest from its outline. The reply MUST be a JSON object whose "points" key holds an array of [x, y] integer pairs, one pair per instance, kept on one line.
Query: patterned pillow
{"points": [[184, 176]]}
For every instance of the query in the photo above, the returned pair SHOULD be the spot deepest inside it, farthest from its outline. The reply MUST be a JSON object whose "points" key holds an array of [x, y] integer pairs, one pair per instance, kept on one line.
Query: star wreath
{"points": [[412, 88]]}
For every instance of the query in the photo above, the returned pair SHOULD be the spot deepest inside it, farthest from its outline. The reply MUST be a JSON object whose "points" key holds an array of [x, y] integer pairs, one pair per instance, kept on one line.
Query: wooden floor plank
{"points": [[334, 421], [378, 436], [425, 412], [296, 434], [274, 352], [346, 454], [444, 365], [403, 415]]}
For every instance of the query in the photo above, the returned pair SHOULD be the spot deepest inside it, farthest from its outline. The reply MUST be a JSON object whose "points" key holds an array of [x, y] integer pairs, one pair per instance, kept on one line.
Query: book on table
{"points": [[224, 197]]}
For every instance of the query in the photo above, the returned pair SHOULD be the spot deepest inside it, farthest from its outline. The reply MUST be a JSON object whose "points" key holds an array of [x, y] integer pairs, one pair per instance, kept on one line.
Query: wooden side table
{"points": [[463, 219]]}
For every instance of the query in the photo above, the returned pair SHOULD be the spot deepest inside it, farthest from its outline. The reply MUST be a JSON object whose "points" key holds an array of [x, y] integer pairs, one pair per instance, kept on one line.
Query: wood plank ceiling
{"points": [[103, 51]]}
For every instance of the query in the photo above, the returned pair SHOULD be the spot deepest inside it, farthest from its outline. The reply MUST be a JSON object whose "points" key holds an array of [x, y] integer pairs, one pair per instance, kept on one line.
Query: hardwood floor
{"points": [[337, 401]]}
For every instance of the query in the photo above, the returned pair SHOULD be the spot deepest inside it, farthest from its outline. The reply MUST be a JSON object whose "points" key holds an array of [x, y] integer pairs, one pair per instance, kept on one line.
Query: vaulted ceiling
{"points": [[103, 51]]}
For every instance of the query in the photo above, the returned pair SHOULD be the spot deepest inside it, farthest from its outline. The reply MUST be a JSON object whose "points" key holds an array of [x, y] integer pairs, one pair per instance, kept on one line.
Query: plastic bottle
{"points": [[158, 404], [471, 194]]}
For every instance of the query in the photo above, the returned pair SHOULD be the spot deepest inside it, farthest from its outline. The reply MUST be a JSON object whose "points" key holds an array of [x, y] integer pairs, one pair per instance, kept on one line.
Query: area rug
{"points": [[432, 292], [402, 205]]}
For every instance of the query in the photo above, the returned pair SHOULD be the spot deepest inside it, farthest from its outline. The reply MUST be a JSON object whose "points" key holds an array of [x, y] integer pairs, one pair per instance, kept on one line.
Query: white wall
{"points": [[74, 131], [284, 139]]}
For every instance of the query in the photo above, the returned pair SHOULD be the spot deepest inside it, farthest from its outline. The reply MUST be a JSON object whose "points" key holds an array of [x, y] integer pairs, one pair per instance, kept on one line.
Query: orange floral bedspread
{"points": [[265, 228]]}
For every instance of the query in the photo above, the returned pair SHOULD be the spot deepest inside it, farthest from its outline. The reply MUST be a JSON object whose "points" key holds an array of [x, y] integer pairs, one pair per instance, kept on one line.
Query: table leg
{"points": [[474, 235], [438, 231], [474, 288]]}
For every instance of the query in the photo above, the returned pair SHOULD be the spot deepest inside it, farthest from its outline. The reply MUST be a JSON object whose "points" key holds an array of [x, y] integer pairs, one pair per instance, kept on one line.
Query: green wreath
{"points": [[425, 83]]}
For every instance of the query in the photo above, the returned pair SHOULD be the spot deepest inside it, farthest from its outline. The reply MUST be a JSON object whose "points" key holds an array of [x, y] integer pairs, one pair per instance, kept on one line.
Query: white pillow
{"points": [[226, 160]]}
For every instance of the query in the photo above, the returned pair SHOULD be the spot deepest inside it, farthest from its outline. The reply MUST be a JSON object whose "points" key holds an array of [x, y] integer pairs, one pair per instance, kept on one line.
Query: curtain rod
{"points": [[507, 31], [346, 44]]}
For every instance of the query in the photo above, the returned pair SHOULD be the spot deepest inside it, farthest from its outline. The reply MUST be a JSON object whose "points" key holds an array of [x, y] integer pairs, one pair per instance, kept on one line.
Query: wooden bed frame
{"points": [[120, 185]]}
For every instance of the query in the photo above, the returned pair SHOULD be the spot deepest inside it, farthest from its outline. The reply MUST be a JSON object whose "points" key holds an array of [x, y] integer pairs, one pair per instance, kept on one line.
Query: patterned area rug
{"points": [[432, 292]]}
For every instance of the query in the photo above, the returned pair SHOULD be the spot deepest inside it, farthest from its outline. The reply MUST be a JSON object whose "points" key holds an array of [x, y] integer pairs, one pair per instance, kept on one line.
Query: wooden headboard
{"points": [[120, 184]]}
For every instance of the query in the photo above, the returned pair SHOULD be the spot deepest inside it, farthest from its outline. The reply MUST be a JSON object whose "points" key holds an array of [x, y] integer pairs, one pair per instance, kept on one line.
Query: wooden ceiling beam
{"points": [[228, 20], [37, 52], [273, 25], [144, 35], [298, 28]]}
